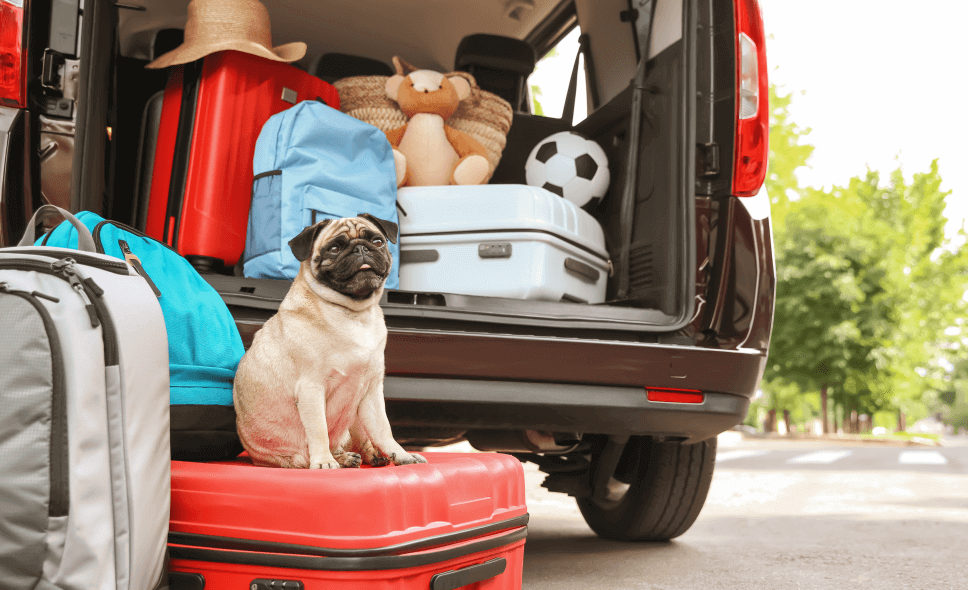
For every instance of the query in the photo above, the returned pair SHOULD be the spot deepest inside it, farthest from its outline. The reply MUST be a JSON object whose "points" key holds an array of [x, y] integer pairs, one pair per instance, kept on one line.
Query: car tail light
{"points": [[676, 396], [13, 56], [752, 96]]}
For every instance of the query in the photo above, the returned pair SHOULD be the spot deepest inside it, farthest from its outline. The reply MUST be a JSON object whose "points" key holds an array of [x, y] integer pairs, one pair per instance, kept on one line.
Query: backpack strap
{"points": [[85, 241]]}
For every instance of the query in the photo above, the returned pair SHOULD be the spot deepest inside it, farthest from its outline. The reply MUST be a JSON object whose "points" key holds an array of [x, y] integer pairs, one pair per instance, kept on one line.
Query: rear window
{"points": [[548, 85]]}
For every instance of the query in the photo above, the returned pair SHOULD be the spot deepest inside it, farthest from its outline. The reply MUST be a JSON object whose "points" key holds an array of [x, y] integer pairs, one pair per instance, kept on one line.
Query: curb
{"points": [[917, 441]]}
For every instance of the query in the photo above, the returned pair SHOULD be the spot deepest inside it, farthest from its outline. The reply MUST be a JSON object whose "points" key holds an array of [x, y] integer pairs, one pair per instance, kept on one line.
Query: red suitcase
{"points": [[458, 521], [211, 116]]}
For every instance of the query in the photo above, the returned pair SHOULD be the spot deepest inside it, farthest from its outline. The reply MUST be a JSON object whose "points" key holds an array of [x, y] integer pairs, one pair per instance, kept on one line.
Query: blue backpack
{"points": [[311, 163], [204, 346]]}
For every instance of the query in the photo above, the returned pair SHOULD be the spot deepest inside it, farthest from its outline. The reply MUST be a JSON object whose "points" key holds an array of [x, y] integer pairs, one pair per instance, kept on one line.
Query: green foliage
{"points": [[536, 108], [957, 411], [788, 152], [867, 283], [959, 416]]}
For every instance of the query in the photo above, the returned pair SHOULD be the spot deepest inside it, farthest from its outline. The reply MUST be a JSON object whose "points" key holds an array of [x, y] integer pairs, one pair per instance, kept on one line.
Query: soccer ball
{"points": [[569, 165]]}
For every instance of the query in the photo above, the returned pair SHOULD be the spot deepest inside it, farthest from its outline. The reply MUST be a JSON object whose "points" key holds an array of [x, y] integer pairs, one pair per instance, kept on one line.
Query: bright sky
{"points": [[886, 83], [552, 75]]}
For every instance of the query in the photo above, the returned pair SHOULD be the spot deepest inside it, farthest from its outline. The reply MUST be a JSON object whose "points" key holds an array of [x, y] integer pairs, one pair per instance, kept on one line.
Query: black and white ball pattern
{"points": [[569, 165]]}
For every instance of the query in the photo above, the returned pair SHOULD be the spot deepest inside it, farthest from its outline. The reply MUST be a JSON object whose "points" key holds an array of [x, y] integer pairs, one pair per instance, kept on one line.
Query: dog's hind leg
{"points": [[362, 445], [380, 448], [346, 458], [350, 457]]}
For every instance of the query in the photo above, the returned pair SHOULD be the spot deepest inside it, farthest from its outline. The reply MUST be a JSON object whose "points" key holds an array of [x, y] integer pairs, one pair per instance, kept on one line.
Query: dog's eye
{"points": [[334, 249], [377, 241]]}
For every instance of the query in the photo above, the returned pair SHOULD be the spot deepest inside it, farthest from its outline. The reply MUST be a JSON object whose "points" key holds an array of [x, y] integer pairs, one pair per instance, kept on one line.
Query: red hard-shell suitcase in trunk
{"points": [[212, 113], [458, 521]]}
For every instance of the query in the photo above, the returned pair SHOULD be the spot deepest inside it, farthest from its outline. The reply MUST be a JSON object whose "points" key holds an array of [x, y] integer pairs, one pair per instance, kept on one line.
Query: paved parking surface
{"points": [[780, 515]]}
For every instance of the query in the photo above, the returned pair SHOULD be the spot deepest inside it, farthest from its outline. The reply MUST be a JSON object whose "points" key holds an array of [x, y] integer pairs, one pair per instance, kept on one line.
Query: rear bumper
{"points": [[461, 380], [474, 404]]}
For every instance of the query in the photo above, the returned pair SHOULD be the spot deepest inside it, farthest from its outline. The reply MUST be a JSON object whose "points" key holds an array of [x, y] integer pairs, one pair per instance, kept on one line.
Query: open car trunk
{"points": [[648, 129]]}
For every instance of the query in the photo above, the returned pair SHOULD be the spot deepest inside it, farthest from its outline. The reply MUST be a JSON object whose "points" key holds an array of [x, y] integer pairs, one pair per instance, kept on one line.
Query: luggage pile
{"points": [[223, 199], [97, 332]]}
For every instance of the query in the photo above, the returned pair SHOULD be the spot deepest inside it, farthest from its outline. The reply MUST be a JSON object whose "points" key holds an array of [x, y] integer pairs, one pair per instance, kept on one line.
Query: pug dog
{"points": [[309, 391]]}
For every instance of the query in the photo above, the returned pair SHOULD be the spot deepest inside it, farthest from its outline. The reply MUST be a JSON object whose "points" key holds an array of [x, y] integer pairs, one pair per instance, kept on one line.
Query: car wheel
{"points": [[655, 492]]}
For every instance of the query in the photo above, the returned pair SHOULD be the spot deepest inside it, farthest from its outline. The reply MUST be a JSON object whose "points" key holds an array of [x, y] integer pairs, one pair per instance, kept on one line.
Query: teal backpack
{"points": [[204, 346]]}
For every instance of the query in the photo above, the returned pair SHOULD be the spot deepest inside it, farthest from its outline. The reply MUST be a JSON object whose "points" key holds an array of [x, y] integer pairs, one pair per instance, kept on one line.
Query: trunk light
{"points": [[13, 57], [748, 80], [676, 396], [752, 108]]}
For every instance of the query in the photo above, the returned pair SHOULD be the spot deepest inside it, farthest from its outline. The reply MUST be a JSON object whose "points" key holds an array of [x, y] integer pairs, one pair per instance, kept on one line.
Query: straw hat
{"points": [[219, 25]]}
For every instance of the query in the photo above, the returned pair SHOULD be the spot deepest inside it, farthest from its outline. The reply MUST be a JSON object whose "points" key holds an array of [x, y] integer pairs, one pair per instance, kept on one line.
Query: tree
{"points": [[789, 152], [536, 106], [867, 283]]}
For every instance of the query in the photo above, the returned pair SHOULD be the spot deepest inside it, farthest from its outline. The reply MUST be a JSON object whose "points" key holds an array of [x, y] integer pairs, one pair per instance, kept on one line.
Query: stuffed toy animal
{"points": [[426, 150]]}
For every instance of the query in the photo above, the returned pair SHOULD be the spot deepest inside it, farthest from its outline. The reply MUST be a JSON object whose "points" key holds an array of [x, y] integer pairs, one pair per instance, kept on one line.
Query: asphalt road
{"points": [[780, 515]]}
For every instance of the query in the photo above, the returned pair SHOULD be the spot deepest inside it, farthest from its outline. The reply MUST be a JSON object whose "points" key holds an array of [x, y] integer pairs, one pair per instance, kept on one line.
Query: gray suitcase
{"points": [[84, 436]]}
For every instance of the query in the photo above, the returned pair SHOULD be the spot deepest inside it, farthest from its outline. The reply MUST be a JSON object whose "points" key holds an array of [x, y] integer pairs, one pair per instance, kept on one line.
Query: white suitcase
{"points": [[500, 240]]}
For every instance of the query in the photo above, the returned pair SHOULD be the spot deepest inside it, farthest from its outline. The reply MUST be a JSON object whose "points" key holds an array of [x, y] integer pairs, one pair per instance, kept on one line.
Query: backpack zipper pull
{"points": [[5, 288], [45, 296], [66, 268], [135, 263]]}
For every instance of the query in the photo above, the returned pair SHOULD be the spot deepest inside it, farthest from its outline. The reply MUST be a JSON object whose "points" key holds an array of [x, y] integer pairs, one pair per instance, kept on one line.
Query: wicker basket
{"points": [[484, 116]]}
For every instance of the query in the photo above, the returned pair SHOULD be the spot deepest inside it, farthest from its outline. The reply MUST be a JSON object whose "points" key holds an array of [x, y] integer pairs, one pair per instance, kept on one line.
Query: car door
{"points": [[55, 138]]}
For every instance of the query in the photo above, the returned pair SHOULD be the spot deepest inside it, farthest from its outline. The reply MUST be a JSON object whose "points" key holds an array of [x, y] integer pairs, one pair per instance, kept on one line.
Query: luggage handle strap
{"points": [[85, 241], [453, 579]]}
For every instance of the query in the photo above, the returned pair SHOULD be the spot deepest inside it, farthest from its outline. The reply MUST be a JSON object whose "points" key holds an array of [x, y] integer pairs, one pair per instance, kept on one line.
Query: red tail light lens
{"points": [[676, 396], [752, 96], [13, 58]]}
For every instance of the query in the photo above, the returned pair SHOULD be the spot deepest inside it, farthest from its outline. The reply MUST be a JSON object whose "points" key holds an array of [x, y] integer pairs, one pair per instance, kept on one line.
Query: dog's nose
{"points": [[360, 249]]}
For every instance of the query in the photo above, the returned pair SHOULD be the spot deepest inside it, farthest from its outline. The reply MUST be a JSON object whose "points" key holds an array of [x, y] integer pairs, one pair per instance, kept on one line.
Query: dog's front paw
{"points": [[323, 463], [348, 459], [407, 459]]}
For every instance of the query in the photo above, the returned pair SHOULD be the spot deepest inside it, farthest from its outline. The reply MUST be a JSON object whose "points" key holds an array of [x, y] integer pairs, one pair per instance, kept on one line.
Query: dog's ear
{"points": [[388, 228], [302, 245]]}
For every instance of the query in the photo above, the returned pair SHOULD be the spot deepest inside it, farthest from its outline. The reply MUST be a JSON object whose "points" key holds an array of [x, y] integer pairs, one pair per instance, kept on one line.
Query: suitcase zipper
{"points": [[135, 262], [118, 268], [87, 289], [59, 482]]}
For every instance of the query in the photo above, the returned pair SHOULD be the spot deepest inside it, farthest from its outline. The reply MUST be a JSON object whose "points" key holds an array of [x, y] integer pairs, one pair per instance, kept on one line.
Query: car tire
{"points": [[656, 492]]}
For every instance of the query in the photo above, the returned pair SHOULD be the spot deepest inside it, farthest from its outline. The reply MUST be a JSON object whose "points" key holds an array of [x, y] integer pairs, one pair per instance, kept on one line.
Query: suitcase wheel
{"points": [[206, 265]]}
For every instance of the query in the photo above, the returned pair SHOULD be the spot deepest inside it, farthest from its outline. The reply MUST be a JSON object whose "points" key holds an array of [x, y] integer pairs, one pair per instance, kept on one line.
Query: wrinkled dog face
{"points": [[350, 255]]}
